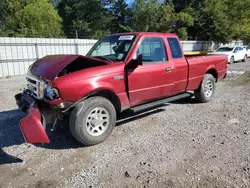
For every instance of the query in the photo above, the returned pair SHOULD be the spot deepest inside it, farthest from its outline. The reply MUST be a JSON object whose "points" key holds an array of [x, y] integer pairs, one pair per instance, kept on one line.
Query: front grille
{"points": [[31, 81], [34, 85]]}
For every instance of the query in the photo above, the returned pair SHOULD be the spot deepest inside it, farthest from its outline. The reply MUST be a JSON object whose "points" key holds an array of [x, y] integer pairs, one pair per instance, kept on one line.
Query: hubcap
{"points": [[97, 121], [209, 88]]}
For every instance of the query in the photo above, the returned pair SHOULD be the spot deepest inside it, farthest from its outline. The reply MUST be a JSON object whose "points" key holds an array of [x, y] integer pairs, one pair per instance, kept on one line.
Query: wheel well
{"points": [[214, 73], [111, 96]]}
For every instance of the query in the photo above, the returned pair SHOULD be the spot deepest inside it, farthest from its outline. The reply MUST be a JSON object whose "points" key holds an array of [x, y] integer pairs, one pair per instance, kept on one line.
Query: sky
{"points": [[129, 1]]}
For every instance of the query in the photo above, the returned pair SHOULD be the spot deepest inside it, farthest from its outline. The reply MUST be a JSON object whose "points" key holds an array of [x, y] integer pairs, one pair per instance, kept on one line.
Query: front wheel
{"points": [[206, 90], [93, 120]]}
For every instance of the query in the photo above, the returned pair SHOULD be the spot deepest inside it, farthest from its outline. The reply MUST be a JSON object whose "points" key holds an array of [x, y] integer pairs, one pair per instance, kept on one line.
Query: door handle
{"points": [[168, 69]]}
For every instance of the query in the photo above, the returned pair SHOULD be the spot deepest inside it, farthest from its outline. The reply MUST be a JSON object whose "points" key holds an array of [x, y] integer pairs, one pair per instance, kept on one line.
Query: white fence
{"points": [[16, 54], [190, 46]]}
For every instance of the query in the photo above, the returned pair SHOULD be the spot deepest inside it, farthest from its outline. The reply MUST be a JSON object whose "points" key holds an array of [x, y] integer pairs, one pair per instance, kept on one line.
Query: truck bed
{"points": [[199, 65]]}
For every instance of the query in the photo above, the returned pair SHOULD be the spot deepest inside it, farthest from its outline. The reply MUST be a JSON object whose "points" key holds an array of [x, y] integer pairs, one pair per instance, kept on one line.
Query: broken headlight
{"points": [[51, 93]]}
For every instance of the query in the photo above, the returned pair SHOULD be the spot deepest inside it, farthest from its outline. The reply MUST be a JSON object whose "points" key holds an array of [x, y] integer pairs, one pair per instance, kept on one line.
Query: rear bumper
{"points": [[34, 124]]}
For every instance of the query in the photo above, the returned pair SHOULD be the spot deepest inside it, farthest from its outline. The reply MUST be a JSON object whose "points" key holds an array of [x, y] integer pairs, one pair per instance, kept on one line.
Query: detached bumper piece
{"points": [[31, 126]]}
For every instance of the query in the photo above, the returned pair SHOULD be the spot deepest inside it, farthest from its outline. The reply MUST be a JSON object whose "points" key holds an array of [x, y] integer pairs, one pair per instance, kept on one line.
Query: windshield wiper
{"points": [[104, 58]]}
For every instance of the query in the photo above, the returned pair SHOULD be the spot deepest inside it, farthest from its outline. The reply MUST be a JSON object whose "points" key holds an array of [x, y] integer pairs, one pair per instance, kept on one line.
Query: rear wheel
{"points": [[245, 58], [231, 60], [93, 120], [206, 90]]}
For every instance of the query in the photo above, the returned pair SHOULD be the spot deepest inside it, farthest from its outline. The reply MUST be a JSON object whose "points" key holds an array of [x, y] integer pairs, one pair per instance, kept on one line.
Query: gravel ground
{"points": [[184, 144], [240, 66]]}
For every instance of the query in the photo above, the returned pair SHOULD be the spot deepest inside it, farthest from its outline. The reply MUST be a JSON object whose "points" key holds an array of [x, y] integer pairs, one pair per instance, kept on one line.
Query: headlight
{"points": [[41, 87], [51, 93]]}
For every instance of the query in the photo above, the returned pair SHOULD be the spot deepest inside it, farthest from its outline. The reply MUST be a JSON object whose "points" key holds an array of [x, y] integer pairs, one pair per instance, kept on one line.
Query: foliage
{"points": [[39, 18], [31, 18], [3, 14], [121, 16], [212, 22], [239, 18], [89, 18], [217, 20]]}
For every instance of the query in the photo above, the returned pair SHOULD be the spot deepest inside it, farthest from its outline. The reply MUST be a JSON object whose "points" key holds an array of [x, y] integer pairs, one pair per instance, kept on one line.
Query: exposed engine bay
{"points": [[79, 64]]}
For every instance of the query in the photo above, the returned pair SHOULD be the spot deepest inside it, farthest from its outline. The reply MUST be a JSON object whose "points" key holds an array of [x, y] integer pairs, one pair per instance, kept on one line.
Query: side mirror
{"points": [[135, 62], [139, 59]]}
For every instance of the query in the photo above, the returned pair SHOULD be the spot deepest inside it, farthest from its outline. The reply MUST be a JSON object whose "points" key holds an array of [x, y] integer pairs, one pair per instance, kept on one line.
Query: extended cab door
{"points": [[154, 78], [179, 64]]}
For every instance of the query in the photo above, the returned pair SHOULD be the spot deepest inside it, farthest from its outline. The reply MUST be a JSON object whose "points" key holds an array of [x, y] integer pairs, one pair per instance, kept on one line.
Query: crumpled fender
{"points": [[32, 128]]}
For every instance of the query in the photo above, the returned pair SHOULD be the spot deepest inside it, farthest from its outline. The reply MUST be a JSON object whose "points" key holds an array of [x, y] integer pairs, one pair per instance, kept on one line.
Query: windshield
{"points": [[224, 49], [112, 48]]}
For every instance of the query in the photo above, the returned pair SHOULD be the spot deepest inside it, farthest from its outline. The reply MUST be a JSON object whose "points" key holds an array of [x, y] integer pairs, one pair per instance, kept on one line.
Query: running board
{"points": [[160, 102]]}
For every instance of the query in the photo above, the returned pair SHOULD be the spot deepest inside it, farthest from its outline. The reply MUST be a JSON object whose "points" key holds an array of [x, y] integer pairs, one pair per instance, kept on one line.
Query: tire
{"points": [[85, 120], [208, 83], [231, 60], [245, 58]]}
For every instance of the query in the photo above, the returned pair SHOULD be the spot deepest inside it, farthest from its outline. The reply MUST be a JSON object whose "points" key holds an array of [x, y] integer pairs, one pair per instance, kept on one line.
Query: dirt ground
{"points": [[181, 145]]}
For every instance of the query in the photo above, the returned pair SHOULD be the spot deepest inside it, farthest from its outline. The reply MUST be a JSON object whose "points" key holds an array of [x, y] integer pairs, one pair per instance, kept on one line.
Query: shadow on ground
{"points": [[10, 133], [188, 100], [62, 138], [8, 159]]}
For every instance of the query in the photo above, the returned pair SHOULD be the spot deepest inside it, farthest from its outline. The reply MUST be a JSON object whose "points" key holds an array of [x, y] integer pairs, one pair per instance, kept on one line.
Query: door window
{"points": [[152, 50]]}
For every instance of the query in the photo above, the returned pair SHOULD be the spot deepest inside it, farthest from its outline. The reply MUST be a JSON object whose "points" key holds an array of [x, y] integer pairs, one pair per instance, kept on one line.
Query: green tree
{"points": [[239, 18], [210, 21], [158, 16], [183, 21], [31, 18], [89, 18], [152, 16], [10, 10], [121, 16], [40, 19], [3, 14]]}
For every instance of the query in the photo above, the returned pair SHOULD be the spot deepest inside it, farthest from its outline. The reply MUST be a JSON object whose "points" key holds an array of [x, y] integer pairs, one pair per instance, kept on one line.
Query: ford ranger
{"points": [[125, 71]]}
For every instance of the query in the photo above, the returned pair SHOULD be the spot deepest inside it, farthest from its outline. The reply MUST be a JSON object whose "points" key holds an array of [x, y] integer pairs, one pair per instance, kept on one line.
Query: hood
{"points": [[50, 66]]}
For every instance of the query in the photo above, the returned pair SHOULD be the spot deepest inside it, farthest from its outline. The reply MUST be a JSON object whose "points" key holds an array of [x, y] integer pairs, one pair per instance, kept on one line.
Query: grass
{"points": [[243, 79]]}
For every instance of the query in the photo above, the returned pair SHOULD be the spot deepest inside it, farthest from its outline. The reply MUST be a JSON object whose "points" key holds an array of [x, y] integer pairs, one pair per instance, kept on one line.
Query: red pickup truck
{"points": [[128, 71]]}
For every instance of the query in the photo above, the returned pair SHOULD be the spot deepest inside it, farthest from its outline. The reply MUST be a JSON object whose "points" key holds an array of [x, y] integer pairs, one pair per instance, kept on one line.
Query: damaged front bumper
{"points": [[33, 126]]}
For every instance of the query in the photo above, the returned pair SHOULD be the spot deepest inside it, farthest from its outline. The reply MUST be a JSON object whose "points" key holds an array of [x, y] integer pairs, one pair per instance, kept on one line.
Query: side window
{"points": [[175, 48], [236, 49], [152, 50]]}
